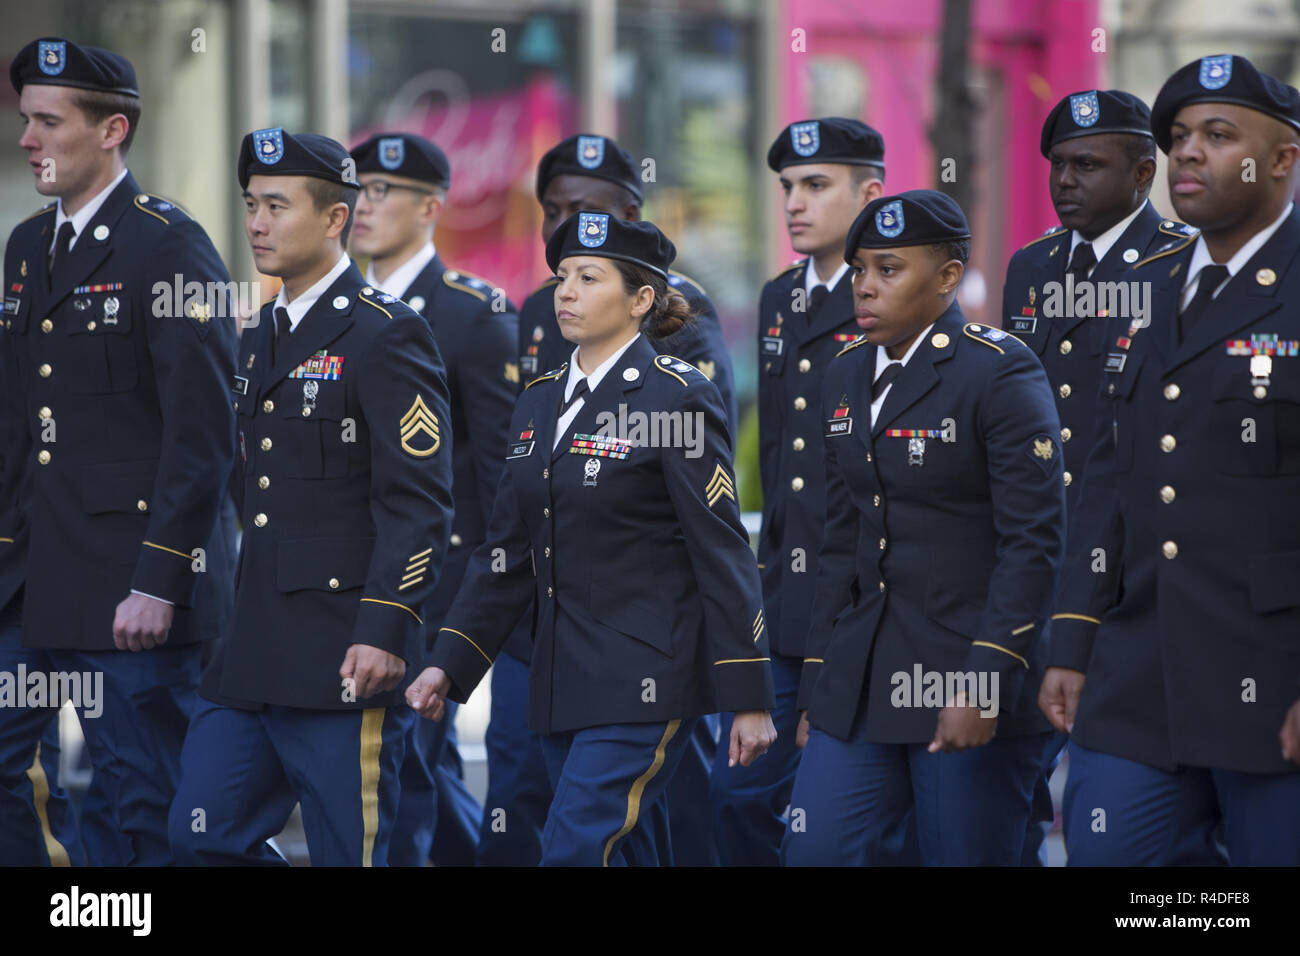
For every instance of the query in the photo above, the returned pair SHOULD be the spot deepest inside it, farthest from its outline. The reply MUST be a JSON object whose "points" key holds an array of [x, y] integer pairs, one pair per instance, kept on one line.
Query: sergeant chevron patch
{"points": [[720, 486], [415, 569], [418, 419]]}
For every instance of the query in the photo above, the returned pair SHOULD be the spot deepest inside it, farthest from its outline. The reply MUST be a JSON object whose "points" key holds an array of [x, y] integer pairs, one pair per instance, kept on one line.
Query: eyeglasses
{"points": [[377, 189]]}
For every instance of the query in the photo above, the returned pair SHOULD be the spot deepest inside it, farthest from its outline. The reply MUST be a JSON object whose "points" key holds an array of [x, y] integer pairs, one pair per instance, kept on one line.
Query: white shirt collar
{"points": [[300, 306], [811, 280], [883, 359], [593, 379], [401, 278], [1201, 254], [1103, 243], [81, 219]]}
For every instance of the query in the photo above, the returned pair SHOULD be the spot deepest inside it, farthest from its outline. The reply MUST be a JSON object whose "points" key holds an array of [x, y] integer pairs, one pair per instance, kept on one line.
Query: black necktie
{"points": [[579, 390], [1211, 277], [62, 245], [816, 298], [891, 372], [1081, 260], [281, 331]]}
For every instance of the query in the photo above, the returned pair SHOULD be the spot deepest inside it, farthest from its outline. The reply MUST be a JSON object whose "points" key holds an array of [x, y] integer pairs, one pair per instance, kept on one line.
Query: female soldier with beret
{"points": [[944, 534], [649, 612]]}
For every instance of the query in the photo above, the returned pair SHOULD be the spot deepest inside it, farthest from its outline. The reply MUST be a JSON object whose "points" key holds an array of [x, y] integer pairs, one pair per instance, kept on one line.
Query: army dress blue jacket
{"points": [[345, 476], [942, 554], [1180, 599], [119, 422], [646, 590]]}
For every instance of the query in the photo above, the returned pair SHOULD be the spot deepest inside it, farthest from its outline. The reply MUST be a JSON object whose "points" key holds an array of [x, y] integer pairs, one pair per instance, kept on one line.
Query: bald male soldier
{"points": [[344, 488], [829, 169], [122, 432], [1102, 162], [1174, 662], [404, 185]]}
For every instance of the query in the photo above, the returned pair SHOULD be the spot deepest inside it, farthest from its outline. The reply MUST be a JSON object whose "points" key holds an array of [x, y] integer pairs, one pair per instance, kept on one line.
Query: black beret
{"points": [[273, 152], [55, 62], [832, 139], [404, 154], [1093, 112], [1222, 79], [917, 217], [600, 234], [596, 156]]}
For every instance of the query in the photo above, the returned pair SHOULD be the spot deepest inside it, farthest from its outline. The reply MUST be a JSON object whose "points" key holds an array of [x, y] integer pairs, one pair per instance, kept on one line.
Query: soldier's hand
{"points": [[961, 728], [372, 670], [1058, 697], [752, 732], [427, 695], [141, 623], [1290, 734], [801, 734]]}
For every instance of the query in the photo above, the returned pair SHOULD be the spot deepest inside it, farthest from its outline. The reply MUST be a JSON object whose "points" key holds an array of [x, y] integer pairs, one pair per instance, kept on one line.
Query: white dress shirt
{"points": [[883, 359], [593, 380], [299, 307], [1103, 243], [401, 278], [811, 280], [81, 219], [1201, 257]]}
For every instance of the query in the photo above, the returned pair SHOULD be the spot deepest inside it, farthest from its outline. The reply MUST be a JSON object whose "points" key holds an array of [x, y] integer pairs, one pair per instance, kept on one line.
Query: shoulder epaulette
{"points": [[1054, 231], [860, 340], [1172, 227], [373, 297], [671, 365], [1168, 249], [467, 283], [988, 335], [43, 210], [548, 376], [797, 264], [549, 282], [156, 206], [676, 279]]}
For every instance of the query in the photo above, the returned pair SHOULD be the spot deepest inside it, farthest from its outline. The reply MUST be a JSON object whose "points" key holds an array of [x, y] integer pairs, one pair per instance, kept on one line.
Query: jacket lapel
{"points": [[91, 250], [835, 311], [322, 324], [638, 356], [1137, 237], [920, 374]]}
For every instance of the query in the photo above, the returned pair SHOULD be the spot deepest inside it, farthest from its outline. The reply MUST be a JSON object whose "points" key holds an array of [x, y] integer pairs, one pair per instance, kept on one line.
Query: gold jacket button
{"points": [[1260, 391], [800, 403], [882, 544], [260, 520], [882, 585], [334, 584], [268, 406], [1172, 391], [546, 512], [1064, 391], [875, 500], [550, 591], [1167, 494], [796, 483], [1110, 389], [457, 541], [1168, 443], [1067, 478], [47, 325], [798, 444], [45, 370], [1066, 346], [90, 326], [868, 456], [44, 413], [804, 365], [142, 505], [546, 473], [43, 457], [266, 444], [306, 411], [1065, 434], [547, 551], [264, 482], [1169, 549]]}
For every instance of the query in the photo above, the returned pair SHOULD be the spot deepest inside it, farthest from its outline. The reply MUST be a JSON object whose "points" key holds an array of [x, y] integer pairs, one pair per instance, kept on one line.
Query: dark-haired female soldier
{"points": [[617, 511], [944, 533]]}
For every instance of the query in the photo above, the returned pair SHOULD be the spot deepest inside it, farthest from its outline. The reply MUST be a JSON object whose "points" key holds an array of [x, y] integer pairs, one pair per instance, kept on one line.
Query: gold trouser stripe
{"points": [[1022, 629], [999, 647], [1076, 617], [40, 798], [467, 637], [638, 788], [394, 604], [742, 660], [163, 547], [372, 742]]}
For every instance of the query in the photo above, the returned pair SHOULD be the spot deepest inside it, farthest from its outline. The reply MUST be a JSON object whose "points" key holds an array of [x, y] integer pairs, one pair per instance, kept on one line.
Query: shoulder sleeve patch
{"points": [[467, 283], [549, 376], [1042, 449], [860, 340]]}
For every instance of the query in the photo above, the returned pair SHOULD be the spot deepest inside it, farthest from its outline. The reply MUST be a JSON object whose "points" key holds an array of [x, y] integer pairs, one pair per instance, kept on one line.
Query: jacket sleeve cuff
{"points": [[744, 684], [812, 668], [1010, 667], [1072, 637], [463, 659], [386, 625], [165, 573]]}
